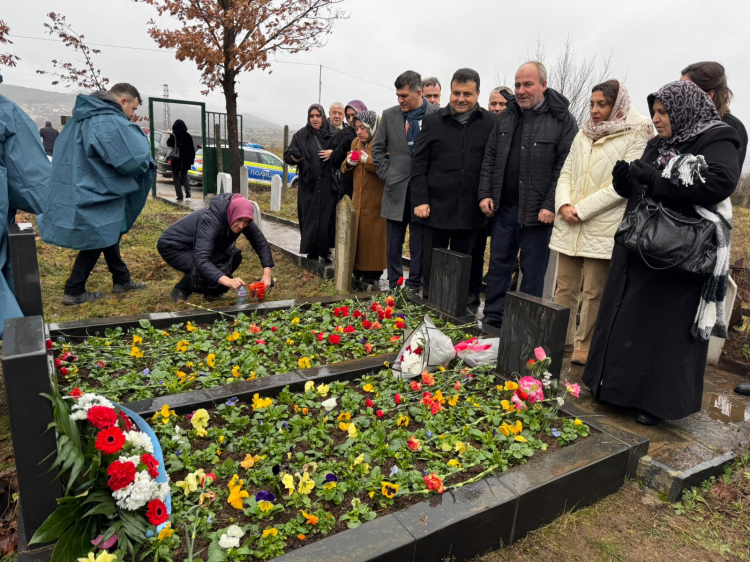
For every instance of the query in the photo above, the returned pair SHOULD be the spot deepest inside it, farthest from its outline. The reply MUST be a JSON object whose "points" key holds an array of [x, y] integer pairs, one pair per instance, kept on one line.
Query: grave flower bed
{"points": [[255, 480], [149, 362]]}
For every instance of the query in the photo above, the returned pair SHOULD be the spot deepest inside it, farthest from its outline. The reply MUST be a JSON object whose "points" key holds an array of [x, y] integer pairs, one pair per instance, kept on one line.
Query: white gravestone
{"points": [[244, 179], [275, 194], [223, 183]]}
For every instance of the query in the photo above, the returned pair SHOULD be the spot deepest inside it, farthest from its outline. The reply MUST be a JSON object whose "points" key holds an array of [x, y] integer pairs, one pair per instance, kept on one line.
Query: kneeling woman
{"points": [[201, 245]]}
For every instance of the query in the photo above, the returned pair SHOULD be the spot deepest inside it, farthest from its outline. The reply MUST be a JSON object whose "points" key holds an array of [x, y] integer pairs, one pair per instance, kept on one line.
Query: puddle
{"points": [[722, 408]]}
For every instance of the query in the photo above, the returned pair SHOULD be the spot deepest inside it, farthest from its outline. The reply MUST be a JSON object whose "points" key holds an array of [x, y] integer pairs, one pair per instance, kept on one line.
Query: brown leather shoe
{"points": [[579, 357]]}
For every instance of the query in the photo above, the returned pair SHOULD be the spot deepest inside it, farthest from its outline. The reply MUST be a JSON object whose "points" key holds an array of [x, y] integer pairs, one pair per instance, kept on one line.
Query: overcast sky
{"points": [[650, 42]]}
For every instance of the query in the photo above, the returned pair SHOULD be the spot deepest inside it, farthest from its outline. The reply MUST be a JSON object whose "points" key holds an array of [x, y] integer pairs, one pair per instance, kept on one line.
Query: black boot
{"points": [[743, 388], [644, 418]]}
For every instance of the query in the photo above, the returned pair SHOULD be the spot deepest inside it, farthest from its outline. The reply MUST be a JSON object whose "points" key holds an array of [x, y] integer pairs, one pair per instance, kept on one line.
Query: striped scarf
{"points": [[710, 318]]}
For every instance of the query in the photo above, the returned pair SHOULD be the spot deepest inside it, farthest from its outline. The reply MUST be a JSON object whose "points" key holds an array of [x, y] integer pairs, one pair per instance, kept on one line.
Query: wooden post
{"points": [[449, 281], [219, 152], [275, 194], [530, 322], [285, 179], [343, 265]]}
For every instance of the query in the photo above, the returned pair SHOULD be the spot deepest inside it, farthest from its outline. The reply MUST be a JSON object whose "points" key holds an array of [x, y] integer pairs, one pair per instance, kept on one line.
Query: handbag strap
{"points": [[652, 215]]}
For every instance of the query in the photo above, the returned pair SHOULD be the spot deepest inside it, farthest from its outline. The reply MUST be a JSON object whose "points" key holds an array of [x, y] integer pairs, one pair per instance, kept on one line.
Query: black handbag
{"points": [[666, 239]]}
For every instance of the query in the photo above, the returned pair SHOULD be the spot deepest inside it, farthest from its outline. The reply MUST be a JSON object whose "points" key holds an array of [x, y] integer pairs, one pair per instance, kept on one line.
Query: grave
{"points": [[449, 281], [530, 322], [275, 194], [26, 284]]}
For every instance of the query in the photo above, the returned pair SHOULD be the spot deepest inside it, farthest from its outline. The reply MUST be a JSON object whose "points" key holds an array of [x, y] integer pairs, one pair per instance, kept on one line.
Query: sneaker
{"points": [[129, 286], [80, 299], [179, 295]]}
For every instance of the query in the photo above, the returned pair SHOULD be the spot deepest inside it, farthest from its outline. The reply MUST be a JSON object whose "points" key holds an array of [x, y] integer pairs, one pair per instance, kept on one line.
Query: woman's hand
{"points": [[569, 214], [235, 283], [267, 279], [363, 157], [643, 173], [621, 178], [422, 211], [325, 155], [350, 160]]}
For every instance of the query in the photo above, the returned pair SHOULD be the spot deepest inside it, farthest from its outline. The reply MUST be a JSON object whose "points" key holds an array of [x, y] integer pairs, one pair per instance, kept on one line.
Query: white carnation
{"points": [[411, 364], [82, 406], [162, 491], [229, 542], [140, 441], [137, 494]]}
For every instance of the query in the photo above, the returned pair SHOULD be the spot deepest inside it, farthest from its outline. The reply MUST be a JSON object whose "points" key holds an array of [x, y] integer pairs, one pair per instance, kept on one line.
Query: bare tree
{"points": [[69, 74], [6, 59]]}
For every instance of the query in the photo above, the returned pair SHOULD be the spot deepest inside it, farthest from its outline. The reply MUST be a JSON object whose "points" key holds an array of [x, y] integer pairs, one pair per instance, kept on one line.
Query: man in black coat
{"points": [[445, 171], [522, 163], [202, 246], [49, 136]]}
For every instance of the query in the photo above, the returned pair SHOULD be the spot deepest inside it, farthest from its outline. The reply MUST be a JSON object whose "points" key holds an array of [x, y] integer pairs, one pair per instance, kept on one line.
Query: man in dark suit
{"points": [[49, 136], [445, 171], [395, 141]]}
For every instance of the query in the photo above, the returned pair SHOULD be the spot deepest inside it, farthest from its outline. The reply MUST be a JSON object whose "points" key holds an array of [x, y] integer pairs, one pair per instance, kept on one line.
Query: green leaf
{"points": [[76, 542], [56, 524], [145, 324]]}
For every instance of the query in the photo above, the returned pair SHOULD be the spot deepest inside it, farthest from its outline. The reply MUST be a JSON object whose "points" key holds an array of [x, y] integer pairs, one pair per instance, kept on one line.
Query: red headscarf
{"points": [[239, 208]]}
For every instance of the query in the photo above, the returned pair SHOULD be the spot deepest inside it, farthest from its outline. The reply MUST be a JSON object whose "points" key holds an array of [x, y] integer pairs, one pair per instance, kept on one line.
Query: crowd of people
{"points": [[523, 176]]}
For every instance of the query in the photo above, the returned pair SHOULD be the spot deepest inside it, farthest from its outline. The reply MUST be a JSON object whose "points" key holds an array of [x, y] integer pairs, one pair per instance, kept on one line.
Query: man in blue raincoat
{"points": [[101, 174], [25, 172]]}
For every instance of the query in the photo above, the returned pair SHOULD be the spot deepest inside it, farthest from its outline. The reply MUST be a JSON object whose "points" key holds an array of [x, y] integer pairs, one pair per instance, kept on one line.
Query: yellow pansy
{"points": [[234, 336], [249, 461], [453, 400], [359, 459], [309, 386], [182, 346], [166, 532], [322, 390], [344, 416], [211, 360], [460, 447], [352, 430], [288, 481], [454, 463], [295, 321], [510, 385], [191, 482], [520, 438], [265, 505], [516, 428], [388, 490], [402, 421], [259, 402], [200, 421], [236, 493], [368, 388], [329, 485], [103, 556], [306, 484], [577, 422], [189, 365], [272, 532], [304, 363], [290, 342], [135, 352], [439, 397], [190, 327], [137, 339], [236, 371], [507, 406]]}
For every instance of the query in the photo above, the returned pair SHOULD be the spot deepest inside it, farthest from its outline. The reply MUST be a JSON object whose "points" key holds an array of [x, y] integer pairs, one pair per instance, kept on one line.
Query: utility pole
{"points": [[320, 83], [167, 120]]}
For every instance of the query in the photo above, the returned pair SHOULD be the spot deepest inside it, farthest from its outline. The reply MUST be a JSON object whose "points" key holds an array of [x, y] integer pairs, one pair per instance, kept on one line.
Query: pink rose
{"points": [[531, 386], [539, 354], [574, 389]]}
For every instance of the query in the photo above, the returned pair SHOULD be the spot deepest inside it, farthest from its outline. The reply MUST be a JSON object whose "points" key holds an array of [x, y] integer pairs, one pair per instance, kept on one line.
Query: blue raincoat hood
{"points": [[102, 170]]}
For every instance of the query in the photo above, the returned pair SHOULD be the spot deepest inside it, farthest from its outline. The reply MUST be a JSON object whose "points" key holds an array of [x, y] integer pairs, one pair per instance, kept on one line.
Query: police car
{"points": [[261, 167]]}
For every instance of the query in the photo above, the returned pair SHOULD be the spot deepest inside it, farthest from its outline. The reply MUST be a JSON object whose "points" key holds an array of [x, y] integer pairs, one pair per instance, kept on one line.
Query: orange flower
{"points": [[254, 329], [427, 378], [301, 537], [311, 519]]}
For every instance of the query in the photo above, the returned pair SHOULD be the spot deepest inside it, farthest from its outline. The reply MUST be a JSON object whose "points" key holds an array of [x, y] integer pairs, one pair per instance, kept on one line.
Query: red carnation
{"points": [[49, 344], [101, 364], [349, 329], [379, 413], [274, 328], [435, 407], [152, 465], [369, 403], [457, 385], [64, 371], [433, 482], [121, 475], [156, 512], [334, 339], [388, 313], [260, 342], [109, 441], [76, 393], [400, 281], [127, 424], [58, 363], [374, 307], [366, 324], [397, 399], [357, 314], [400, 324], [415, 385], [102, 417], [321, 336]]}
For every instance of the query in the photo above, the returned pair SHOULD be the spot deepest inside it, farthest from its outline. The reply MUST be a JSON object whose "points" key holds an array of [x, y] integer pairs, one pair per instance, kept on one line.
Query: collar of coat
{"points": [[446, 112], [556, 103]]}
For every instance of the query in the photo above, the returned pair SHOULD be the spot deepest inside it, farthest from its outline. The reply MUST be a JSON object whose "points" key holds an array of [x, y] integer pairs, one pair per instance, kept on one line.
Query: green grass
{"points": [[288, 202], [138, 249]]}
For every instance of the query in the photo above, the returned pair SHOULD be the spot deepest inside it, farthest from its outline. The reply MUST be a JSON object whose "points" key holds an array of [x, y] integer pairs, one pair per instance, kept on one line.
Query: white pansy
{"points": [[176, 436], [329, 404], [560, 401], [235, 531], [229, 542], [140, 441]]}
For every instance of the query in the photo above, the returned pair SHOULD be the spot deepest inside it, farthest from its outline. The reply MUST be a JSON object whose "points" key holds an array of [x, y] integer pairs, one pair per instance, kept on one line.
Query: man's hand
{"points": [[267, 277], [235, 283], [546, 217], [569, 214], [487, 206], [325, 155], [423, 211]]}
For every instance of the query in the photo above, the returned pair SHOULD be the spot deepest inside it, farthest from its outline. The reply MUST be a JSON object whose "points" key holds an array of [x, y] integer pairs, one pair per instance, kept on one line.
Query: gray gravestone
{"points": [[27, 287], [244, 182], [530, 322], [26, 371], [257, 217], [343, 262], [275, 194], [449, 281]]}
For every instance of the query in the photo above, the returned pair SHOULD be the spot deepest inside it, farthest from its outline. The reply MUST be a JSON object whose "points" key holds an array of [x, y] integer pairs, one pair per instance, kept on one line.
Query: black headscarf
{"points": [[324, 129]]}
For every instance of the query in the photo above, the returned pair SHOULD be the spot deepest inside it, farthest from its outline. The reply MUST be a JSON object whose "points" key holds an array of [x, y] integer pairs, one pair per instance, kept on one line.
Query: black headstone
{"points": [[530, 322], [449, 281], [27, 287], [26, 370]]}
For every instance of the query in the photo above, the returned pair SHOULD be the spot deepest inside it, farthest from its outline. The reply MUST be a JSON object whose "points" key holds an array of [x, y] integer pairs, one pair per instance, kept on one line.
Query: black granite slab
{"points": [[27, 287], [449, 281]]}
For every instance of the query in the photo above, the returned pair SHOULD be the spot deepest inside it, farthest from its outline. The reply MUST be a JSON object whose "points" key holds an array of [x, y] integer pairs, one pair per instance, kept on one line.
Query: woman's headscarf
{"points": [[179, 126], [369, 119], [690, 110], [356, 105], [239, 208], [615, 123], [322, 115]]}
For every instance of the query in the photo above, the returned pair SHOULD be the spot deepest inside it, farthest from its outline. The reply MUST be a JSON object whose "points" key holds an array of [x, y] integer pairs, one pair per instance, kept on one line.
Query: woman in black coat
{"points": [[310, 150], [644, 354], [202, 246], [184, 159]]}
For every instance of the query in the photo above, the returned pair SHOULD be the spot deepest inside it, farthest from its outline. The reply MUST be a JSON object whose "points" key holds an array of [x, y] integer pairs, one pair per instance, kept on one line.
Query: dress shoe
{"points": [[743, 388], [579, 357], [644, 418]]}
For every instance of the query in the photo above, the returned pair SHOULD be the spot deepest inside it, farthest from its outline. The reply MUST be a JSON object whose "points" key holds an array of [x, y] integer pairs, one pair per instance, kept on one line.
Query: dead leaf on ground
{"points": [[724, 492], [8, 543]]}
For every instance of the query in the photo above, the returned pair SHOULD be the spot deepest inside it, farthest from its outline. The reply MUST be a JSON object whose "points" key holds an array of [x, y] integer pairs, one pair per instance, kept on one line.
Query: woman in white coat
{"points": [[588, 210]]}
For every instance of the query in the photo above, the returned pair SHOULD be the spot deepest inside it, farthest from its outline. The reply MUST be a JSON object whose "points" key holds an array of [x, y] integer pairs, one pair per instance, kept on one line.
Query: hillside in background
{"points": [[43, 105]]}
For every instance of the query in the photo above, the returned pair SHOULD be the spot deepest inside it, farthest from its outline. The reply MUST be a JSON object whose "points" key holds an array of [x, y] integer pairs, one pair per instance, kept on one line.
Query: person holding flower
{"points": [[370, 228], [588, 210], [651, 338]]}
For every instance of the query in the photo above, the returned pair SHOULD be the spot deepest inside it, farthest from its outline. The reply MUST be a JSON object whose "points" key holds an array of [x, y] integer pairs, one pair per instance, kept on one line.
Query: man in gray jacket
{"points": [[392, 148], [522, 161]]}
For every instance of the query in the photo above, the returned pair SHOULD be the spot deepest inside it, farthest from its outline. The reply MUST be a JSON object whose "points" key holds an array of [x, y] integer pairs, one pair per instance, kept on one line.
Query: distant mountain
{"points": [[43, 105]]}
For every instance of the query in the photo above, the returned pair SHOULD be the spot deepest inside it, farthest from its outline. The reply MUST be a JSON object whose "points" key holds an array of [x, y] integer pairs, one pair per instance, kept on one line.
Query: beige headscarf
{"points": [[616, 122]]}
